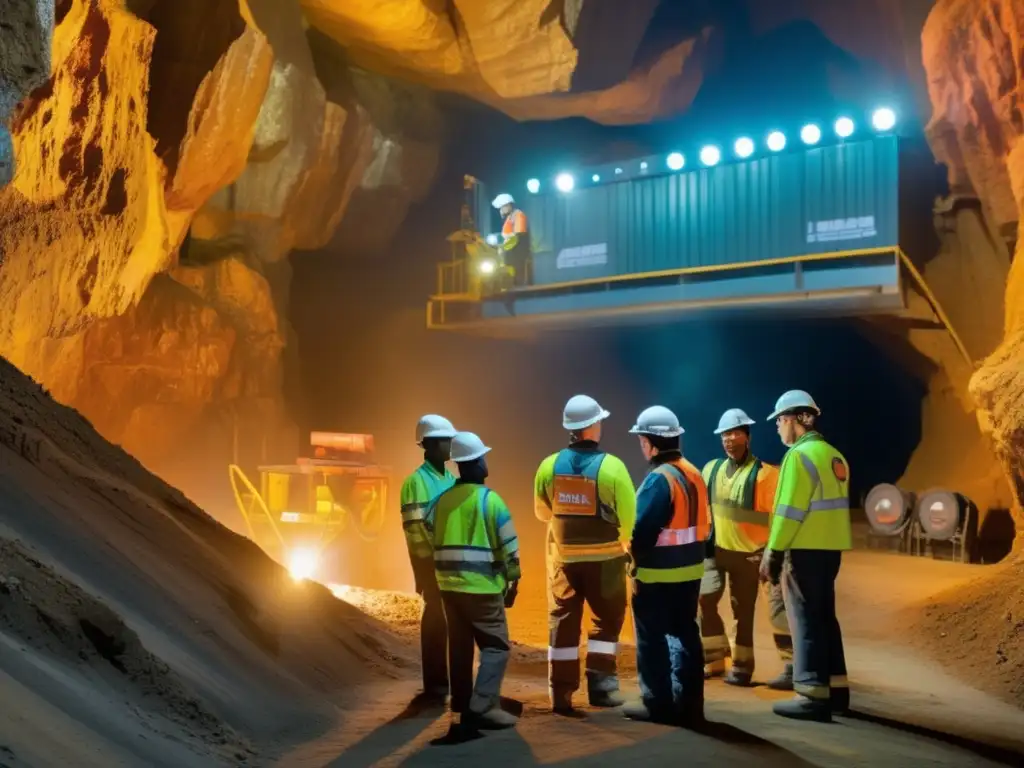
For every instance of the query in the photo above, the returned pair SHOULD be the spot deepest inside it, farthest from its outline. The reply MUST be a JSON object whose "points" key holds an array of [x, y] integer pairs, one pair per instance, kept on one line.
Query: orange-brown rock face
{"points": [[173, 159], [972, 54]]}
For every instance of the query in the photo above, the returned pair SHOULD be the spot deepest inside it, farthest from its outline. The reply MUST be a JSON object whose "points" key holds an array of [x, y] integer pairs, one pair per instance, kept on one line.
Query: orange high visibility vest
{"points": [[681, 548]]}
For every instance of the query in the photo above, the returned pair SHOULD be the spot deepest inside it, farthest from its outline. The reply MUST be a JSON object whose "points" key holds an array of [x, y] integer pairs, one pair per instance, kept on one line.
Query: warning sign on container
{"points": [[836, 230], [582, 256]]}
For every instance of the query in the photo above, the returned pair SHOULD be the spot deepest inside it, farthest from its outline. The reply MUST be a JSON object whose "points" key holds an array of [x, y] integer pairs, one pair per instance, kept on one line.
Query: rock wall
{"points": [[163, 176], [26, 30], [972, 52]]}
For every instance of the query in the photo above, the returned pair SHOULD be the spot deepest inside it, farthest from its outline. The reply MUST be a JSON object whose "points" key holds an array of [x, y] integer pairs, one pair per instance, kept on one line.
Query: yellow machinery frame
{"points": [[280, 530]]}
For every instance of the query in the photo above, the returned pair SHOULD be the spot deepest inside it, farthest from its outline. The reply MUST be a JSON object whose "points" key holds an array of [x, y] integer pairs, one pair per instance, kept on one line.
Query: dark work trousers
{"points": [[521, 260], [602, 586], [819, 663], [476, 621], [779, 621], [739, 571], [669, 657], [433, 630]]}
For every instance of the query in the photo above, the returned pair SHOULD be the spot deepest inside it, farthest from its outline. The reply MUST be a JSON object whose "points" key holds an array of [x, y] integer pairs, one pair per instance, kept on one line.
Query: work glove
{"points": [[711, 581], [510, 594]]}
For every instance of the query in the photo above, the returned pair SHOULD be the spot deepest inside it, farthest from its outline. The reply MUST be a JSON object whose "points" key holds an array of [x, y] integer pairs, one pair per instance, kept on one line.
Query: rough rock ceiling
{"points": [[550, 59]]}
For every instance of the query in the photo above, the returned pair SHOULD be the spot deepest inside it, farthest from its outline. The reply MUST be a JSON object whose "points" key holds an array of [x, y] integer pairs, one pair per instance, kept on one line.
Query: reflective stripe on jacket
{"points": [[741, 505], [476, 548], [419, 489], [812, 503], [587, 498], [673, 525]]}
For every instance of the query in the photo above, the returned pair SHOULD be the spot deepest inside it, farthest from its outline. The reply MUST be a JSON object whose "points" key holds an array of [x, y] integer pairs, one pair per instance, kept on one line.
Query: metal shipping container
{"points": [[822, 200]]}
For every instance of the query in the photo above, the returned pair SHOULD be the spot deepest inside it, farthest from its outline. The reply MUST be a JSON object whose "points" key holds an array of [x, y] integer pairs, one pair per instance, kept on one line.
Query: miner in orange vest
{"points": [[669, 545], [741, 492], [515, 235]]}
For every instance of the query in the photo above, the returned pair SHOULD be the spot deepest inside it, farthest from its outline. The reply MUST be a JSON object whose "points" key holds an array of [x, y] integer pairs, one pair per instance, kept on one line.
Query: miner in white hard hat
{"points": [[515, 236], [669, 546], [811, 528], [586, 497], [434, 434], [741, 491], [476, 562]]}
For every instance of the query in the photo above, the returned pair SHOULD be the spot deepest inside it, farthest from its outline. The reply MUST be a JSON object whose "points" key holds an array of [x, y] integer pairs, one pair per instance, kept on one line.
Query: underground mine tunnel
{"points": [[244, 247]]}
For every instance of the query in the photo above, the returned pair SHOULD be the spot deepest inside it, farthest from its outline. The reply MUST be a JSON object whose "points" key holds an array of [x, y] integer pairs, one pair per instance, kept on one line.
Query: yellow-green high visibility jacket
{"points": [[476, 548], [419, 489], [588, 500], [741, 503], [812, 503]]}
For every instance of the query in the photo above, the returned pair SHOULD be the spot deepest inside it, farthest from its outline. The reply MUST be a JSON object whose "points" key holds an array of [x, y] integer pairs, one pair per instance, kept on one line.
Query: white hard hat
{"points": [[658, 421], [795, 398], [433, 425], [502, 200], [466, 447], [734, 418], [581, 412]]}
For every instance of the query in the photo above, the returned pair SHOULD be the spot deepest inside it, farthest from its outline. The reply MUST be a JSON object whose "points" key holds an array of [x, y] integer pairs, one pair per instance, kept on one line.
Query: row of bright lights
{"points": [[882, 120]]}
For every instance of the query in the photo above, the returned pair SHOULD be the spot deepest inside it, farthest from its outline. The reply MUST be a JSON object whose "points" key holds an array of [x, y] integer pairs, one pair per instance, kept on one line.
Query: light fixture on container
{"points": [[744, 147], [883, 119], [710, 155], [565, 182], [533, 186], [675, 161], [844, 127], [595, 178], [776, 141], [810, 134]]}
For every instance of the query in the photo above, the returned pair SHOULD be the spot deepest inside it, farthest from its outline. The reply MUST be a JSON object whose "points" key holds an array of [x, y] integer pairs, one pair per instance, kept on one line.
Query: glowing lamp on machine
{"points": [[776, 141], [744, 147], [565, 182], [487, 267], [643, 166], [595, 178], [302, 563], [710, 155], [533, 186], [883, 119], [492, 239], [675, 161], [810, 134], [844, 127]]}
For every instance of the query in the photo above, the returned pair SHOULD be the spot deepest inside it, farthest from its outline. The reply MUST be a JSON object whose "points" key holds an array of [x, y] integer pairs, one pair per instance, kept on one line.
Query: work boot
{"points": [[606, 699], [839, 700], [804, 708], [494, 719], [690, 713], [561, 702], [737, 677], [784, 681], [714, 669], [641, 712]]}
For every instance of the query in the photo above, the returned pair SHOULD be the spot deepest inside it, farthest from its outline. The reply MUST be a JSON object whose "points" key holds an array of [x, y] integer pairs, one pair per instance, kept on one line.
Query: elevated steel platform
{"points": [[845, 283]]}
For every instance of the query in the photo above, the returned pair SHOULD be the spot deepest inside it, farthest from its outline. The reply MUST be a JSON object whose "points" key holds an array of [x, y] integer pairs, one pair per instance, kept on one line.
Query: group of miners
{"points": [[675, 542]]}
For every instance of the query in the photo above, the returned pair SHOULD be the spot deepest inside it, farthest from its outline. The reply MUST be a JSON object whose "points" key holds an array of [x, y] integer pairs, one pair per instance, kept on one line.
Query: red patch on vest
{"points": [[839, 468]]}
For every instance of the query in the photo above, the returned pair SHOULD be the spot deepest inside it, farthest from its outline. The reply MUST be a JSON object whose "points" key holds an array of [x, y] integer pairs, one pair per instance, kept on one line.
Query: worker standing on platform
{"points": [[741, 491], [587, 498], [515, 236], [812, 524], [476, 560], [434, 434], [670, 543]]}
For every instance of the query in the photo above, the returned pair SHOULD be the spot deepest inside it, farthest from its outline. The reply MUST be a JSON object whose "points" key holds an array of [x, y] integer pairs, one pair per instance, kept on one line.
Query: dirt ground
{"points": [[909, 710], [137, 631]]}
